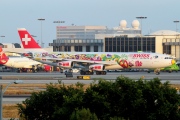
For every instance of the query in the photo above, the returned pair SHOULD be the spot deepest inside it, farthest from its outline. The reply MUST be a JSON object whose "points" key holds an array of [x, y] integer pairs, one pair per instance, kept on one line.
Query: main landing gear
{"points": [[90, 72], [34, 70], [100, 72], [20, 70]]}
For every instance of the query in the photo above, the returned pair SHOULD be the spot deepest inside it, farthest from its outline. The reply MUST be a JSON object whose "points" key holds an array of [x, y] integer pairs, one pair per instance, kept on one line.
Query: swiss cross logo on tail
{"points": [[26, 39]]}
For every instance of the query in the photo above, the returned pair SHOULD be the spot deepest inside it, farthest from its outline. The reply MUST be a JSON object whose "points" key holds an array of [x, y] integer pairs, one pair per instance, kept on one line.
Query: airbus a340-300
{"points": [[97, 61]]}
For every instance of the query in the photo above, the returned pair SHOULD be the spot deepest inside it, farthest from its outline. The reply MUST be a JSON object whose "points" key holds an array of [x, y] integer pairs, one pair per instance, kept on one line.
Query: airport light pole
{"points": [[141, 30], [2, 91], [2, 36], [176, 21], [41, 19]]}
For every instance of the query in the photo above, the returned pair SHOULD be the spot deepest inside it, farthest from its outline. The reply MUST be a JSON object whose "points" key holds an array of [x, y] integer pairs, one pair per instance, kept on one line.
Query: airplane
{"points": [[23, 64], [97, 61]]}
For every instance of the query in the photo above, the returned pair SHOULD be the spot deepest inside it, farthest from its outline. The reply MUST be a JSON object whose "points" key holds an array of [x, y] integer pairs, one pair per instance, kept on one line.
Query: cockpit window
{"points": [[156, 56], [168, 58]]}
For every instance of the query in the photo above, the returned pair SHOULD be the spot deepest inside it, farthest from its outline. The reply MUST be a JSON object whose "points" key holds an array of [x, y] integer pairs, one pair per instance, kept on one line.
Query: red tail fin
{"points": [[3, 57], [26, 39]]}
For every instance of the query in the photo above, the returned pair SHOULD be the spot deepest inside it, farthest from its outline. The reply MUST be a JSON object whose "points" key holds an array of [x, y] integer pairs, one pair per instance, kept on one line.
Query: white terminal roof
{"points": [[165, 32]]}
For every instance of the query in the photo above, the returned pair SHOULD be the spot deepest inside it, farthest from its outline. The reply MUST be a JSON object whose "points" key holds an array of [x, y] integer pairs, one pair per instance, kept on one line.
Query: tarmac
{"points": [[76, 76]]}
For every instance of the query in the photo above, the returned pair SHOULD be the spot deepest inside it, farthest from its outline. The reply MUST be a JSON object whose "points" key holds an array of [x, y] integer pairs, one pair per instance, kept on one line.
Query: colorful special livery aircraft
{"points": [[22, 63], [97, 61]]}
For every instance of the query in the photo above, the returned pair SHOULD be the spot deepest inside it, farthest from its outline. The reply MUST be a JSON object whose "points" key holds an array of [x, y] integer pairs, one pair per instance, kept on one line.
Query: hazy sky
{"points": [[24, 14]]}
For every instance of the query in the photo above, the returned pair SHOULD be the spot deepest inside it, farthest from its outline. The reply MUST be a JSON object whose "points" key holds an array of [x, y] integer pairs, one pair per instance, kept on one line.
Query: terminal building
{"points": [[129, 44], [89, 38]]}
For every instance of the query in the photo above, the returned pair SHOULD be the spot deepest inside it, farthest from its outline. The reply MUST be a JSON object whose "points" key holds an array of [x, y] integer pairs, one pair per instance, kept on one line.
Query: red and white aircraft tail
{"points": [[28, 41], [3, 57]]}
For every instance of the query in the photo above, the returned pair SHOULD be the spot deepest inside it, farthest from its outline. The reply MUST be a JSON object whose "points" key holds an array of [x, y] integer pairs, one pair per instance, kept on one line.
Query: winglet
{"points": [[26, 39]]}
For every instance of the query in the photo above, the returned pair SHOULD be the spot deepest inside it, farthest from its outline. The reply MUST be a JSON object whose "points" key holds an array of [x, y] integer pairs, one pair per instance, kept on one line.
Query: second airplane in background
{"points": [[23, 64], [96, 61]]}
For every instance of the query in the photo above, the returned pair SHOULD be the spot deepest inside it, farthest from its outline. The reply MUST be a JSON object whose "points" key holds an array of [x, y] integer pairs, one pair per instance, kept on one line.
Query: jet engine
{"points": [[43, 67], [97, 67], [47, 68], [30, 55], [65, 64]]}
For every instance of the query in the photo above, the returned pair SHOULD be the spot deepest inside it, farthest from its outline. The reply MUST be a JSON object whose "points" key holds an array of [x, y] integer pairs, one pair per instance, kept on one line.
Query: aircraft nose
{"points": [[173, 61]]}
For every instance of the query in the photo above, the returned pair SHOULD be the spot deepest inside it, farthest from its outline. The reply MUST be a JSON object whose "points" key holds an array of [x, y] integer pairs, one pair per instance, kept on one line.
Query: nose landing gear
{"points": [[157, 71]]}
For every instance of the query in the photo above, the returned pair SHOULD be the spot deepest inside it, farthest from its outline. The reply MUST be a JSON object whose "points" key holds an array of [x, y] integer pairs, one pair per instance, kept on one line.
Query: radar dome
{"points": [[123, 23], [135, 24]]}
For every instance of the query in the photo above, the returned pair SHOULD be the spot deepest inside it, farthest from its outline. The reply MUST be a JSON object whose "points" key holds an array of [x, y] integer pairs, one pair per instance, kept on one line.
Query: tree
{"points": [[124, 99], [83, 114], [130, 99], [145, 99], [58, 99]]}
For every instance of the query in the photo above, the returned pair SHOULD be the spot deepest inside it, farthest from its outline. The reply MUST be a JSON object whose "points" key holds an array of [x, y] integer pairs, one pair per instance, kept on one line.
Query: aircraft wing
{"points": [[14, 52], [25, 54], [45, 58], [93, 62], [77, 60]]}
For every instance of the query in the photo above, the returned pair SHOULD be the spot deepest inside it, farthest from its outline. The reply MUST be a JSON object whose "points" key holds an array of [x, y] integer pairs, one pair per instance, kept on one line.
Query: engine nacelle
{"points": [[30, 55], [65, 64], [44, 67], [47, 68], [97, 67]]}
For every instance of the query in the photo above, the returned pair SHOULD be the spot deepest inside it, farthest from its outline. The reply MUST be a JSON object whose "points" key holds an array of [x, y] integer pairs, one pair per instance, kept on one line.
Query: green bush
{"points": [[83, 114], [124, 99]]}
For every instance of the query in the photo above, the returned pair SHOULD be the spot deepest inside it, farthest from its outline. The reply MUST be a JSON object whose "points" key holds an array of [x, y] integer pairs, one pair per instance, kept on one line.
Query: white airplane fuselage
{"points": [[113, 60], [21, 62]]}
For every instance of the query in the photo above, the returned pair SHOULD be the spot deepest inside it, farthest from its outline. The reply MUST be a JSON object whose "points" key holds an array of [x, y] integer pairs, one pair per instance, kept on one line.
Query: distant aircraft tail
{"points": [[30, 45], [27, 40], [3, 57]]}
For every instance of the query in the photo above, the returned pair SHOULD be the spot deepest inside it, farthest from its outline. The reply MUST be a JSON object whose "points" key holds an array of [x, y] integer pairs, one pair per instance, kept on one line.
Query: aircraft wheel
{"points": [[82, 73], [157, 73], [97, 72], [34, 71]]}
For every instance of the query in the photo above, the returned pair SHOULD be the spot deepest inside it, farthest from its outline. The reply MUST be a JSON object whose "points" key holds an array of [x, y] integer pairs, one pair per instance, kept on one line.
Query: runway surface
{"points": [[110, 76]]}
